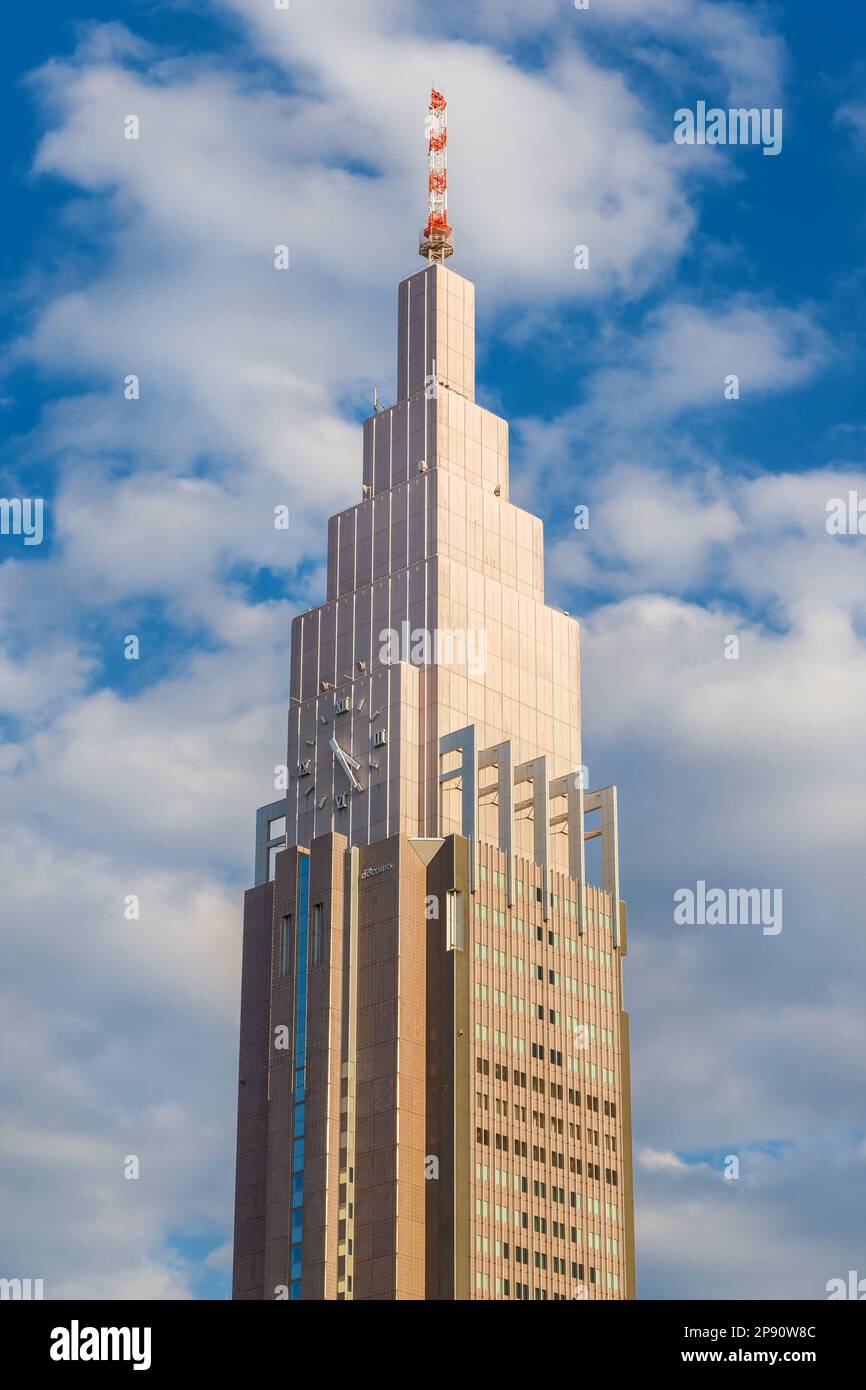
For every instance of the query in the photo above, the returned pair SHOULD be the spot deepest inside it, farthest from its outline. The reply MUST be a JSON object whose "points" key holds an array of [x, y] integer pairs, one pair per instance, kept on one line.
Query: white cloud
{"points": [[853, 116], [653, 1158]]}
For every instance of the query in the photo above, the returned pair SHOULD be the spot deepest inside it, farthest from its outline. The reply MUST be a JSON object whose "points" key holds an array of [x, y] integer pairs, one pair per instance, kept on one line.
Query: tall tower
{"points": [[434, 1090]]}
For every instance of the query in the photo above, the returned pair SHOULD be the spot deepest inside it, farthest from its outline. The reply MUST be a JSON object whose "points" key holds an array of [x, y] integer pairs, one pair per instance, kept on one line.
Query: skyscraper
{"points": [[434, 1059]]}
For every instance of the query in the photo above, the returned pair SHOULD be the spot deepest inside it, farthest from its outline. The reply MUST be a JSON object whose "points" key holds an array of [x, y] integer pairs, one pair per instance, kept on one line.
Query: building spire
{"points": [[436, 237]]}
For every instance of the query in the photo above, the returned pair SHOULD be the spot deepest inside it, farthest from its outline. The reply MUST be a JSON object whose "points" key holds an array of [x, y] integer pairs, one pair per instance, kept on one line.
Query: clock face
{"points": [[344, 753]]}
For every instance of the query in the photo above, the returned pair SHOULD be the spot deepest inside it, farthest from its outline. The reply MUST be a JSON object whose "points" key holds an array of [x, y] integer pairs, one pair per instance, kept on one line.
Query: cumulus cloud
{"points": [[852, 115], [653, 1158]]}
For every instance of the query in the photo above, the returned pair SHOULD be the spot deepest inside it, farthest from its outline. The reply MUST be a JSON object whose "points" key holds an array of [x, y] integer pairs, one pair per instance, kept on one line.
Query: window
{"points": [[317, 934], [454, 921], [284, 945]]}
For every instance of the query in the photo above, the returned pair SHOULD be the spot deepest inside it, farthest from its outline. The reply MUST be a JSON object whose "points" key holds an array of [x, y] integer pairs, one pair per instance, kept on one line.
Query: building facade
{"points": [[434, 1096]]}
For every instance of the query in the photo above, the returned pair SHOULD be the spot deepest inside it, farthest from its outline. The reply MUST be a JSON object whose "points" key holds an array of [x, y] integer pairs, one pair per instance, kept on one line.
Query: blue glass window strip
{"points": [[300, 1061]]}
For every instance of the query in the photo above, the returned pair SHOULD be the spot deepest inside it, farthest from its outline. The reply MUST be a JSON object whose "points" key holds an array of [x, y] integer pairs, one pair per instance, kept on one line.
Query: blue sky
{"points": [[708, 519]]}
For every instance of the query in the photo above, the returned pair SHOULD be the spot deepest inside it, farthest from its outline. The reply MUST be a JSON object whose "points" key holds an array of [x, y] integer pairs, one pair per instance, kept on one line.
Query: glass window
{"points": [[317, 934]]}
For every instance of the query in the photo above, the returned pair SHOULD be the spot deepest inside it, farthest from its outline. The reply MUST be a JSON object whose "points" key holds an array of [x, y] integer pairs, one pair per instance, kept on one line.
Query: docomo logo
{"points": [[441, 647], [380, 869]]}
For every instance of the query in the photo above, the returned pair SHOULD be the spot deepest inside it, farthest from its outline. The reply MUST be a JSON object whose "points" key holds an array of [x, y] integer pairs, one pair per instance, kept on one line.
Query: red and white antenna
{"points": [[436, 237]]}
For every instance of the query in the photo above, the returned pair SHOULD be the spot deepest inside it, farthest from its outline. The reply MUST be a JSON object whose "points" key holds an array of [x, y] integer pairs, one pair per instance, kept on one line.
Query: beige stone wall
{"points": [[438, 552], [583, 1239]]}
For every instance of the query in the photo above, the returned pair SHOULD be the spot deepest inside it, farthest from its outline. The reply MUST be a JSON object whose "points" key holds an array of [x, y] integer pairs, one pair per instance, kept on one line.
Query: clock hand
{"points": [[344, 762], [353, 762]]}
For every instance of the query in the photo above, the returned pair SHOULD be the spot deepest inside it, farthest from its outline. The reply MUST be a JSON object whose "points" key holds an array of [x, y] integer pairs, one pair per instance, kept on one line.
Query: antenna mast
{"points": [[436, 237]]}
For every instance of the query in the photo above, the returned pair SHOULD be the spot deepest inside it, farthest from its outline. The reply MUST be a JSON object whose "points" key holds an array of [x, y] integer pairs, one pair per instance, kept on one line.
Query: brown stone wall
{"points": [[252, 1147]]}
